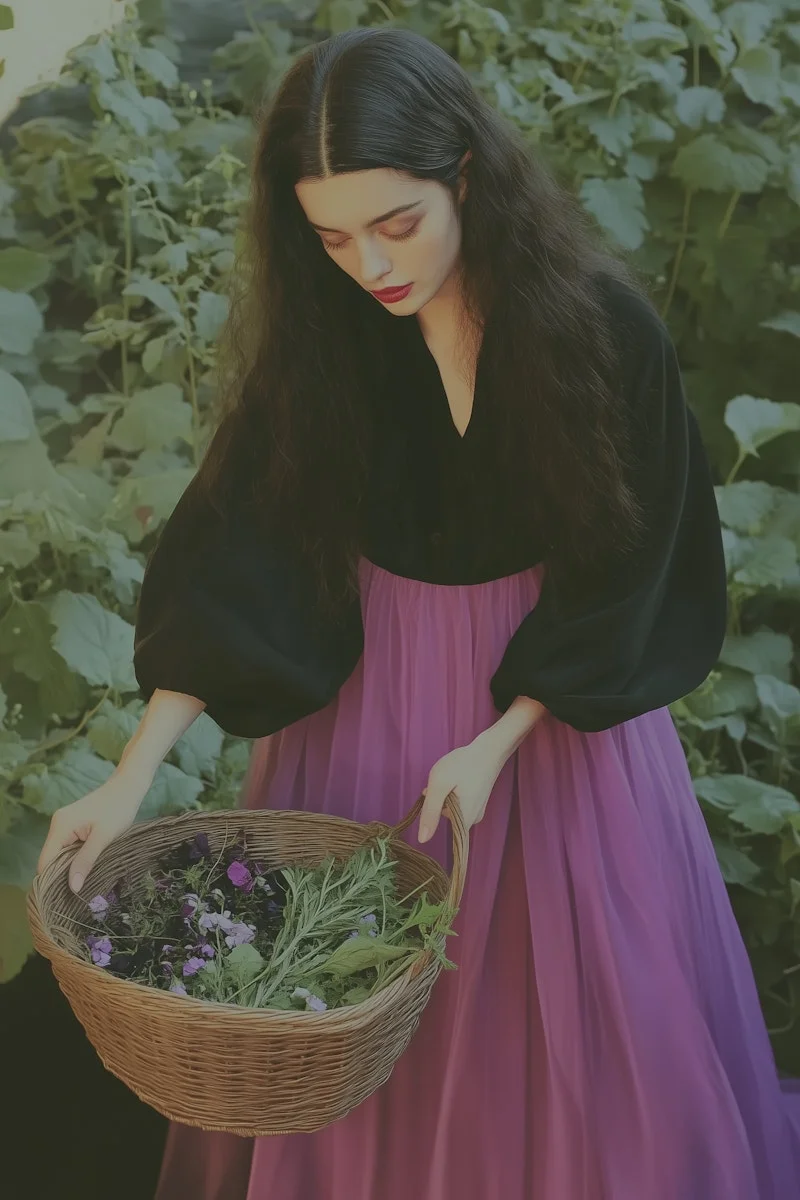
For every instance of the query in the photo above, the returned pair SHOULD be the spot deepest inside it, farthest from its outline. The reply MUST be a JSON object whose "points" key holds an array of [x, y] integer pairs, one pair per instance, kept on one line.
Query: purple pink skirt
{"points": [[602, 1038]]}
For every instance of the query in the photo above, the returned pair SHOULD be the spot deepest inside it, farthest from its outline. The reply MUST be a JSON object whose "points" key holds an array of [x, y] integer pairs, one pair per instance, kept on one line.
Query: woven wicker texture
{"points": [[222, 1066]]}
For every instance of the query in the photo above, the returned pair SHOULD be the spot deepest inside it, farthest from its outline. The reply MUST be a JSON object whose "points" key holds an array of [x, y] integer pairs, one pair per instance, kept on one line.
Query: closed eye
{"points": [[393, 237]]}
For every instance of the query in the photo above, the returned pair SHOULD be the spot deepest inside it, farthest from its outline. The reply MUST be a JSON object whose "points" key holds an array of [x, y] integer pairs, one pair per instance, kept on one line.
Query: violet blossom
{"points": [[191, 905], [208, 950], [101, 951], [240, 934], [99, 906], [215, 920], [240, 876], [193, 965], [179, 989]]}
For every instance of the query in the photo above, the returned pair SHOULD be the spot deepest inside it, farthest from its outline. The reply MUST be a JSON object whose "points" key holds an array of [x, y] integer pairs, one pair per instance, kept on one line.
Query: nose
{"points": [[375, 264]]}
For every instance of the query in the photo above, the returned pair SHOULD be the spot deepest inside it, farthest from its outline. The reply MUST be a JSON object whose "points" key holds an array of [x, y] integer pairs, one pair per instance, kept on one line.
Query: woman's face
{"points": [[387, 230]]}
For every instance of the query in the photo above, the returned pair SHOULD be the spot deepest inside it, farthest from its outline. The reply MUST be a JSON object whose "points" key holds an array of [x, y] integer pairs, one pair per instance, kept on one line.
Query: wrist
{"points": [[508, 733]]}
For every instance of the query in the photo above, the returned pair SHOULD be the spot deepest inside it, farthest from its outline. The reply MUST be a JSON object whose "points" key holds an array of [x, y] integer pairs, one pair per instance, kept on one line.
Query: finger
{"points": [[54, 844], [431, 812], [84, 860]]}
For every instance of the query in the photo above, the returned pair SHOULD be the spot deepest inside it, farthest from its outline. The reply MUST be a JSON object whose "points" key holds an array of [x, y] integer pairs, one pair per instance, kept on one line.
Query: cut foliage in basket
{"points": [[303, 950]]}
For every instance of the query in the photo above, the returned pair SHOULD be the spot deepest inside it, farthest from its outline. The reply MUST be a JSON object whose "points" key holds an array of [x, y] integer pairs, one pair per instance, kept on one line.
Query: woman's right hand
{"points": [[96, 819]]}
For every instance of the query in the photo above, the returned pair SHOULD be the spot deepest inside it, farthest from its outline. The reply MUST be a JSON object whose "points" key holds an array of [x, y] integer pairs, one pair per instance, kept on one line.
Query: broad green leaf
{"points": [[98, 57], [734, 865], [615, 134], [754, 422], [357, 954], [198, 749], [152, 354], [698, 106], [6, 17], [157, 293], [142, 114], [707, 163], [110, 730], [25, 633], [156, 65], [16, 940], [770, 562], [23, 270], [20, 322], [94, 642], [617, 205], [20, 846], [758, 73], [745, 505], [152, 419], [73, 776], [785, 322], [16, 415], [655, 33], [172, 791], [760, 807], [244, 962], [762, 653], [726, 691], [212, 310], [780, 697], [748, 21]]}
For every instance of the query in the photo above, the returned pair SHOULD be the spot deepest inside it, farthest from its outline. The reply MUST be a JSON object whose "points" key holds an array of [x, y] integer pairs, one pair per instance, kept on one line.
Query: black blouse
{"points": [[228, 617]]}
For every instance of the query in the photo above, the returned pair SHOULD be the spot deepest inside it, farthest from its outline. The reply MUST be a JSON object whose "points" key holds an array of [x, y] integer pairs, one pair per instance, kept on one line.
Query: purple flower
{"points": [[179, 989], [101, 951], [98, 905], [167, 968], [208, 950], [314, 1004], [193, 965], [240, 877], [240, 933], [214, 920], [167, 949]]}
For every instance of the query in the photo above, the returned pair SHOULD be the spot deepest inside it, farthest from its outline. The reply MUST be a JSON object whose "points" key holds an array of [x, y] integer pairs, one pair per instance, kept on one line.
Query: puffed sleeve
{"points": [[227, 614], [652, 631]]}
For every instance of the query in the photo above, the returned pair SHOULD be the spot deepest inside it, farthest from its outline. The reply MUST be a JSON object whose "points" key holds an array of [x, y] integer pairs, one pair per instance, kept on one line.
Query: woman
{"points": [[456, 531]]}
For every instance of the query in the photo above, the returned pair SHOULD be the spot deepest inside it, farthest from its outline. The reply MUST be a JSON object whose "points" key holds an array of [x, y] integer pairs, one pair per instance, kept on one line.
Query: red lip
{"points": [[392, 295]]}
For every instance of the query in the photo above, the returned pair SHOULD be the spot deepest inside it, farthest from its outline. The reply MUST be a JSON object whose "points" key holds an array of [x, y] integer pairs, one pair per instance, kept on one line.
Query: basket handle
{"points": [[460, 843]]}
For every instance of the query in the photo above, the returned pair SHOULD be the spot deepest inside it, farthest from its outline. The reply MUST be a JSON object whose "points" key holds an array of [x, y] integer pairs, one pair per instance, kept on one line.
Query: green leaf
{"points": [[735, 866], [244, 962], [357, 954], [156, 65], [762, 653], [758, 73], [20, 322], [755, 422], [156, 292], [618, 206], [770, 562], [25, 632], [76, 774], [16, 940], [6, 17], [94, 642], [698, 106], [761, 807], [16, 414], [172, 791], [212, 310], [707, 163], [142, 114], [748, 21], [153, 418], [785, 322], [23, 270], [110, 730], [745, 505], [20, 847], [781, 698], [97, 57], [199, 748]]}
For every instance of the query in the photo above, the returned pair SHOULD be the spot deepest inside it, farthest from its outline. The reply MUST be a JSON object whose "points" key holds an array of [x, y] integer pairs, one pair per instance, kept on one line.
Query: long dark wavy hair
{"points": [[303, 348]]}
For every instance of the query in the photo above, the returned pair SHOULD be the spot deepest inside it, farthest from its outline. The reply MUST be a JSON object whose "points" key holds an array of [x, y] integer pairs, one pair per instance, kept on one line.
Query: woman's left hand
{"points": [[471, 771]]}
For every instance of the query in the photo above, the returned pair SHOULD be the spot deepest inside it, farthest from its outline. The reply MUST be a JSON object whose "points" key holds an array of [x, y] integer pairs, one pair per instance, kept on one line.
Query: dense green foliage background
{"points": [[677, 123]]}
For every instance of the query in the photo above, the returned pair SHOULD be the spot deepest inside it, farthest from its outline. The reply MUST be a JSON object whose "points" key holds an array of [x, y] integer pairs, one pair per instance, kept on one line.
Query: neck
{"points": [[446, 325]]}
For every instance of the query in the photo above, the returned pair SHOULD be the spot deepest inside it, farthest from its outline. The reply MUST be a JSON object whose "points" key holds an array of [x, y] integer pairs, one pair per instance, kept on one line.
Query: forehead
{"points": [[349, 201]]}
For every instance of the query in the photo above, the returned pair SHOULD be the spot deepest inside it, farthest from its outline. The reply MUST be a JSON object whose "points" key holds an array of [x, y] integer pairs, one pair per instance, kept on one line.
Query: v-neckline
{"points": [[436, 376]]}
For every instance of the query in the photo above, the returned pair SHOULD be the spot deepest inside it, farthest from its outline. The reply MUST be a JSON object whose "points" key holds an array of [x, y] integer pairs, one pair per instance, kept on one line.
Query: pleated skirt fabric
{"points": [[602, 1038]]}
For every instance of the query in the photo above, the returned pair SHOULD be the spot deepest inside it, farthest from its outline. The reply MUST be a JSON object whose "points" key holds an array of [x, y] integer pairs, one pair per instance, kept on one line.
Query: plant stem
{"points": [[676, 265]]}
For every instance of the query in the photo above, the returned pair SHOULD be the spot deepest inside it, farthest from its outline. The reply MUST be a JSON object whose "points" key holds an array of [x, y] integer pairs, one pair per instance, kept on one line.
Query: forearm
{"points": [[509, 732], [167, 717]]}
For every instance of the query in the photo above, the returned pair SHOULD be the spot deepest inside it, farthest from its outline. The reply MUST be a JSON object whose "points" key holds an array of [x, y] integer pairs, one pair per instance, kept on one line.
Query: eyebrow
{"points": [[394, 212]]}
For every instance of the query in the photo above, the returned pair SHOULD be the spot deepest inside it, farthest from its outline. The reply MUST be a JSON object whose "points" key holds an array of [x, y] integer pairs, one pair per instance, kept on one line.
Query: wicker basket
{"points": [[223, 1066]]}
